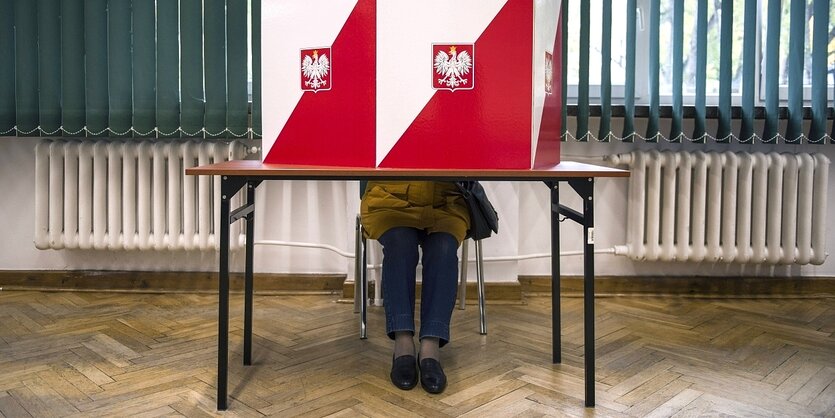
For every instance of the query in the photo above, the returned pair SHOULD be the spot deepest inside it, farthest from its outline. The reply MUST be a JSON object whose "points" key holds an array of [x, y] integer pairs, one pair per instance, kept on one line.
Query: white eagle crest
{"points": [[453, 67], [315, 69]]}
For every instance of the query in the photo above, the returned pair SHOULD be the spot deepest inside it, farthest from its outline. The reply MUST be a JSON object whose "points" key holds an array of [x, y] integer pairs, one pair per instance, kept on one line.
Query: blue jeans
{"points": [[440, 271]]}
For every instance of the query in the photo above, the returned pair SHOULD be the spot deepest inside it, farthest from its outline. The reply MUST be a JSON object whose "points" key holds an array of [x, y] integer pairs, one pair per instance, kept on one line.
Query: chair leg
{"points": [[462, 286], [363, 291], [481, 297], [377, 298], [357, 264]]}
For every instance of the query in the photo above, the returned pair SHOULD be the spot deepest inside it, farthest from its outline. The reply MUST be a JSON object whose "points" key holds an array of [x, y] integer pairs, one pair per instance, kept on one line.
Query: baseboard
{"points": [[715, 287], [703, 286], [151, 281], [496, 292]]}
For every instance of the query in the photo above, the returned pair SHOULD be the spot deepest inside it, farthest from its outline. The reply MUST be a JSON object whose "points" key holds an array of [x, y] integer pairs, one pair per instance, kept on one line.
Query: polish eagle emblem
{"points": [[316, 69], [453, 65]]}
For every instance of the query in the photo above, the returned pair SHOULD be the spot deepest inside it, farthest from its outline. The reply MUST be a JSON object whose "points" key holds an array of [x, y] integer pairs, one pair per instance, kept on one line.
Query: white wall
{"points": [[324, 213]]}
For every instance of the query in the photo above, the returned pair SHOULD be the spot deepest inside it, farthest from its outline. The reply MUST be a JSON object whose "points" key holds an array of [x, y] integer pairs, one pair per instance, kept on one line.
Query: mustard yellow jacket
{"points": [[429, 205]]}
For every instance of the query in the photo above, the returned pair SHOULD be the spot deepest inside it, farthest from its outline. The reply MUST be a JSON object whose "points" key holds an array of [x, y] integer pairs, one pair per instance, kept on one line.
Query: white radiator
{"points": [[729, 207], [131, 195]]}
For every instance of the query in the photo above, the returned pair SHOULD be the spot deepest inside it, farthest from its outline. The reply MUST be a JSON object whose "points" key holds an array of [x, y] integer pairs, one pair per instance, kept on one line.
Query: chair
{"points": [[361, 278]]}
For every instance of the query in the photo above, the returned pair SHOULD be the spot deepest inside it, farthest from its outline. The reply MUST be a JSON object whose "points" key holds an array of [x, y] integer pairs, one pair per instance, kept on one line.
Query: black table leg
{"points": [[228, 187], [585, 189], [556, 329], [588, 289], [223, 304], [248, 285]]}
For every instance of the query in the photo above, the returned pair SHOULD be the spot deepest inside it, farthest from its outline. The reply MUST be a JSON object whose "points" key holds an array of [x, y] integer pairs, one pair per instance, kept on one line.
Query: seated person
{"points": [[402, 216]]}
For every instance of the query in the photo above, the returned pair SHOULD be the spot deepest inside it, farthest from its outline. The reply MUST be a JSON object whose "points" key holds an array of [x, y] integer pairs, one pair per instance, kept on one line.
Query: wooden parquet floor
{"points": [[111, 354]]}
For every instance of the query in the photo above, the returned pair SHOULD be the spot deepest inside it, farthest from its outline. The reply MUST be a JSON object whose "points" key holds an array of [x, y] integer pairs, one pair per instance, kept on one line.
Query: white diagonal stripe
{"points": [[405, 34], [546, 14], [287, 27]]}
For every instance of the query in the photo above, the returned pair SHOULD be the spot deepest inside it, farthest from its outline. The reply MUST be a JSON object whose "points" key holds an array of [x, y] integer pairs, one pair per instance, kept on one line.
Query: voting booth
{"points": [[412, 84]]}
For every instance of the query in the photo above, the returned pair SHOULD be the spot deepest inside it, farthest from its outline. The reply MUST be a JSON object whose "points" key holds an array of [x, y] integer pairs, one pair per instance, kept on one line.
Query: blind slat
{"points": [[654, 69], [144, 66], [820, 36], [563, 69], [191, 66], [629, 88], [168, 69], [678, 70], [214, 50], [749, 56], [95, 64], [772, 62], [49, 74], [26, 61], [256, 66], [583, 86], [119, 67], [7, 67], [7, 70], [606, 72], [73, 97], [701, 70], [236, 71], [723, 132], [797, 35]]}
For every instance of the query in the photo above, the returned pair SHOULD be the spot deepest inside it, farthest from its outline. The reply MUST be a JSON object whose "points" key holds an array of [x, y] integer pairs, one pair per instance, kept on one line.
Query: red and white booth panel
{"points": [[412, 84]]}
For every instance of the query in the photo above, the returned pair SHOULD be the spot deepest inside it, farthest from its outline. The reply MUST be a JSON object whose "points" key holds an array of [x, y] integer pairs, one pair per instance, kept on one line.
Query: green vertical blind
{"points": [[606, 73], [797, 36], [629, 89], [772, 61], [707, 52], [256, 64], [583, 87], [7, 71], [144, 68], [25, 63], [725, 48], [654, 80], [678, 71], [701, 70], [820, 46], [749, 55]]}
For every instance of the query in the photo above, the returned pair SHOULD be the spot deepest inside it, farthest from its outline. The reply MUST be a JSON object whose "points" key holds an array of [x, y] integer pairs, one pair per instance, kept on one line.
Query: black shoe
{"points": [[403, 372], [432, 376]]}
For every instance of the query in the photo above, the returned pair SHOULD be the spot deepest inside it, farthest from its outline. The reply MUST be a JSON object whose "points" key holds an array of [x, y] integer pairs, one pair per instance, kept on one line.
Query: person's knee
{"points": [[442, 245], [400, 242]]}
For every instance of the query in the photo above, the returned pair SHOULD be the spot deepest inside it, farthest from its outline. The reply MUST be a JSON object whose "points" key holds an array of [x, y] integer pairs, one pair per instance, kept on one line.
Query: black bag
{"points": [[483, 217]]}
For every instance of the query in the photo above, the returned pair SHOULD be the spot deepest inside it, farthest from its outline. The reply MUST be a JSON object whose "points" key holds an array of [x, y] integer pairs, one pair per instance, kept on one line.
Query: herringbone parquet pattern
{"points": [[109, 354]]}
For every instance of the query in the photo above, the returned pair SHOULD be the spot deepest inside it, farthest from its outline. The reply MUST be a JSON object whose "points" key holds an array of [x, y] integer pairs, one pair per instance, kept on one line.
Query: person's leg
{"points": [[400, 257], [440, 284]]}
